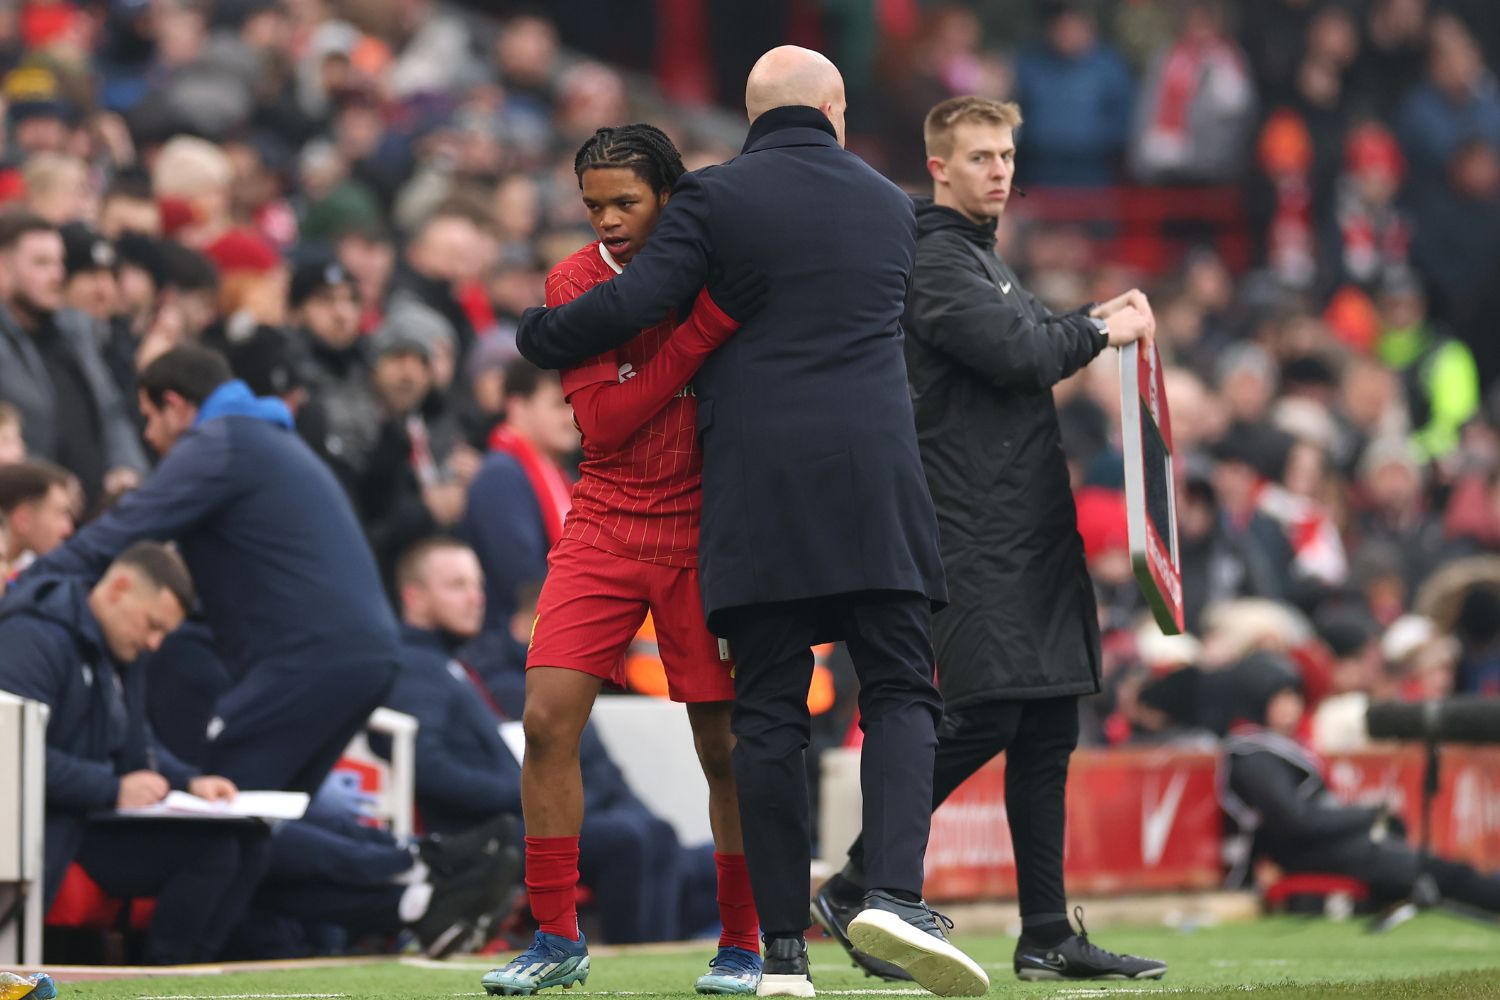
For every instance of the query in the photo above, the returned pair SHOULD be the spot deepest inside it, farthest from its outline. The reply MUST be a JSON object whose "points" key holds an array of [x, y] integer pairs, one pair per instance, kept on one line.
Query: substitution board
{"points": [[1150, 492]]}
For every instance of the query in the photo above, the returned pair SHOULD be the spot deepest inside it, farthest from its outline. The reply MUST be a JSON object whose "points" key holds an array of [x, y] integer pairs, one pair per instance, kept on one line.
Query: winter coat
{"points": [[24, 382], [55, 653], [983, 355], [812, 486]]}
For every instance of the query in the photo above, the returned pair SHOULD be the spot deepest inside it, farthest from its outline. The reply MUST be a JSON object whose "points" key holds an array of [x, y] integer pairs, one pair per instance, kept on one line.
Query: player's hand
{"points": [[1129, 325], [212, 787], [139, 789], [739, 293]]}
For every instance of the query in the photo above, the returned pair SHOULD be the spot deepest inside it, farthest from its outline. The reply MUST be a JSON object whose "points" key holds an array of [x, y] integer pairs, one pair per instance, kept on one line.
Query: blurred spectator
{"points": [[37, 508], [1358, 676], [1458, 236], [416, 479], [12, 440], [1391, 59], [1195, 116], [1077, 94], [192, 180], [517, 503], [128, 206], [1366, 236], [1457, 102], [1437, 372], [89, 285], [102, 756], [310, 661], [342, 417], [58, 188], [51, 368], [446, 249]]}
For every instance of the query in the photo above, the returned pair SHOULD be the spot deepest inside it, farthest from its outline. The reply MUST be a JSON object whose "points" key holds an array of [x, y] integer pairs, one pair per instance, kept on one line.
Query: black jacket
{"points": [[811, 482], [982, 355], [54, 653], [1274, 794]]}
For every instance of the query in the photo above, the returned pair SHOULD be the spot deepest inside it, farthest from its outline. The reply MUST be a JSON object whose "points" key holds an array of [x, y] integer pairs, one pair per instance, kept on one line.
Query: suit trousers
{"points": [[1037, 738], [889, 638]]}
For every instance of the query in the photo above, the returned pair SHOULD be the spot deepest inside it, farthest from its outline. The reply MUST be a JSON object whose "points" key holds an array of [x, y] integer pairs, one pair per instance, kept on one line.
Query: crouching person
{"points": [[72, 647]]}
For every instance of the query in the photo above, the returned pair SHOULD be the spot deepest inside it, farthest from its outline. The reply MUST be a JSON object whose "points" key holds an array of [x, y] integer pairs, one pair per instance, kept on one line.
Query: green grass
{"points": [[1432, 956]]}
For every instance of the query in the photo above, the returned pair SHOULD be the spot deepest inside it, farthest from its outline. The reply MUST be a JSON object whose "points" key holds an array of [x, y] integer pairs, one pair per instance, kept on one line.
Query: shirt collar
{"points": [[791, 116], [609, 259]]}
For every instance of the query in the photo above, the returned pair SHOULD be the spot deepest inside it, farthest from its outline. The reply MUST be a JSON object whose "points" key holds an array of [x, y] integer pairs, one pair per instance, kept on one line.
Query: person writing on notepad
{"points": [[72, 648]]}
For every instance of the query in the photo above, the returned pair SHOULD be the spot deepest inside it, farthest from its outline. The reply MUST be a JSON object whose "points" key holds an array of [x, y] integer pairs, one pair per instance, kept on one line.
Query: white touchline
{"points": [[244, 996]]}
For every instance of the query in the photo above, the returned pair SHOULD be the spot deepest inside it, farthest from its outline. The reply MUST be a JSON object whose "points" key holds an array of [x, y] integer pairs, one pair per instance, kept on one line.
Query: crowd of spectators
{"points": [[353, 203]]}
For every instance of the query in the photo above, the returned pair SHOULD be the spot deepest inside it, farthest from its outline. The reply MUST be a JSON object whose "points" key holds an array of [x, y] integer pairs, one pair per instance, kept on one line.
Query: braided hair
{"points": [[642, 148]]}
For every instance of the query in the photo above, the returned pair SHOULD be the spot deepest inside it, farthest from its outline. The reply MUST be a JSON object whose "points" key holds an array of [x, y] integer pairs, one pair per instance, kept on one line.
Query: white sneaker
{"points": [[903, 938]]}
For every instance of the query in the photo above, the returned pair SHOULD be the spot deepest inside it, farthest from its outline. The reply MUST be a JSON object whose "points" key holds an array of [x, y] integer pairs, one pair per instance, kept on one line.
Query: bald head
{"points": [[790, 75]]}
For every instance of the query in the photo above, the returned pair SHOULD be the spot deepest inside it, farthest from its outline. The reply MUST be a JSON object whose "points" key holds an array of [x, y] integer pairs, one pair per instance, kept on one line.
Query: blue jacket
{"points": [[1078, 114], [282, 569], [503, 522], [54, 653], [812, 486], [465, 774]]}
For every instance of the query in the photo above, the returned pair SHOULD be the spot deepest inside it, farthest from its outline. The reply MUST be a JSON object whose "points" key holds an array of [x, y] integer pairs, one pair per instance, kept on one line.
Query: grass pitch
{"points": [[1432, 956]]}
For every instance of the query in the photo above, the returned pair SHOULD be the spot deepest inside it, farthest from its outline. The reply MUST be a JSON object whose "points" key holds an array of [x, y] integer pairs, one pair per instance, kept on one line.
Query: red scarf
{"points": [[546, 478]]}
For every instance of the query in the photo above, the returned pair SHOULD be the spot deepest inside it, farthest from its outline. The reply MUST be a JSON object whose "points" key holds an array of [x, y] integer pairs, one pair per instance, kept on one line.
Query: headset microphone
{"points": [[1017, 189]]}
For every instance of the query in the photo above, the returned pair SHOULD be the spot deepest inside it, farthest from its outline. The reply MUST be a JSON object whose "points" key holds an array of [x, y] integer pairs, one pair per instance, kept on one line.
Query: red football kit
{"points": [[630, 542]]}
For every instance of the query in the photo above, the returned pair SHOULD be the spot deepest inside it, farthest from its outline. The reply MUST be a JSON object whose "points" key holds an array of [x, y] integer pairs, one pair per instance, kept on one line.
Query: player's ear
{"points": [[938, 168]]}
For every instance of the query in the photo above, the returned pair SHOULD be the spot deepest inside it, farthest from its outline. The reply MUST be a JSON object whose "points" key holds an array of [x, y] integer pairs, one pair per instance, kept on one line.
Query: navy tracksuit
{"points": [[286, 581], [642, 877], [201, 874]]}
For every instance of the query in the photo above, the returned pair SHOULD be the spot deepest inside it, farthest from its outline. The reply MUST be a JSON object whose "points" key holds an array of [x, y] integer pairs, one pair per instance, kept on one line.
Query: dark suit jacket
{"points": [[811, 481]]}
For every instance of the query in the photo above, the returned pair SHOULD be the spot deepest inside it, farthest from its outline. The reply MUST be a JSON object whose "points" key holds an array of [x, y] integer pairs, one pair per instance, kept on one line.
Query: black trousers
{"points": [[201, 873], [889, 638], [1037, 738], [1392, 867]]}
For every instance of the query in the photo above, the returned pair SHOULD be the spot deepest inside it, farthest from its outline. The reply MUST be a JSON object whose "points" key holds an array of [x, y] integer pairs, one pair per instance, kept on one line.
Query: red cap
{"points": [[1372, 147], [1101, 521], [242, 250]]}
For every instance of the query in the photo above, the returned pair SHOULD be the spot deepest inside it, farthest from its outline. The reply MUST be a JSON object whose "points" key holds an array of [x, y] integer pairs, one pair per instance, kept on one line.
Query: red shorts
{"points": [[592, 604]]}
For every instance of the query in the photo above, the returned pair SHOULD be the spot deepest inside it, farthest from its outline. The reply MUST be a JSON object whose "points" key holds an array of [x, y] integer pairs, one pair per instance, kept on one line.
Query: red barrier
{"points": [[1149, 820], [1138, 820]]}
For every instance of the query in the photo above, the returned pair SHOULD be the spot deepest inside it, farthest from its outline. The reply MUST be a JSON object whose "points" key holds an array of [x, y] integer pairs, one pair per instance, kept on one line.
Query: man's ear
{"points": [[938, 168]]}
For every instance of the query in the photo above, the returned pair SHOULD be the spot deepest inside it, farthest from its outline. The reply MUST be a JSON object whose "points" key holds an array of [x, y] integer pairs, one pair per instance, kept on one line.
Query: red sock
{"points": [[552, 884], [736, 904]]}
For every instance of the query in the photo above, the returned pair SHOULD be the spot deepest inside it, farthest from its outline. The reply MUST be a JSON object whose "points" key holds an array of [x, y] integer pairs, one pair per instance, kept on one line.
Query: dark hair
{"points": [[16, 224], [162, 566], [191, 371], [642, 148], [134, 185], [409, 566], [27, 482], [187, 270], [522, 378]]}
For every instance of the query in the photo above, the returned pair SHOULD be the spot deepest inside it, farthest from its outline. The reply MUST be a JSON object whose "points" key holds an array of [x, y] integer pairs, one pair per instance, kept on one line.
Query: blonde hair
{"points": [[45, 173], [937, 130], [189, 167]]}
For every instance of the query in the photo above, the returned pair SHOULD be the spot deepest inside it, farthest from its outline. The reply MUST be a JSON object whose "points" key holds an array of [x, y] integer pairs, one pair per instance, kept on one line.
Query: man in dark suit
{"points": [[817, 522]]}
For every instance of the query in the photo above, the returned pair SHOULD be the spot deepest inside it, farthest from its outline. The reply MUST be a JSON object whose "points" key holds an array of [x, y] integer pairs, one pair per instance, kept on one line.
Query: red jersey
{"points": [[642, 500]]}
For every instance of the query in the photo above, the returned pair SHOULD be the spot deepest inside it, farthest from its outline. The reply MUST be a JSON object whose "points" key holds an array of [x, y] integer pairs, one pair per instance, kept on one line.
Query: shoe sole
{"points": [[575, 976], [785, 986], [1048, 976], [825, 920], [936, 965], [723, 986]]}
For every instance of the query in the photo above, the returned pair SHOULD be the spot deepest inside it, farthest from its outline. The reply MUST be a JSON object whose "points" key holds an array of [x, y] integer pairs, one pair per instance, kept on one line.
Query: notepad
{"points": [[245, 805]]}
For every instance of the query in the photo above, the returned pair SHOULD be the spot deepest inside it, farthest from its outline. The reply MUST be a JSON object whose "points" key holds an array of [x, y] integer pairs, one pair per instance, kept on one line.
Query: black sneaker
{"points": [[464, 904], [911, 937], [837, 902], [784, 972], [446, 854], [1077, 958]]}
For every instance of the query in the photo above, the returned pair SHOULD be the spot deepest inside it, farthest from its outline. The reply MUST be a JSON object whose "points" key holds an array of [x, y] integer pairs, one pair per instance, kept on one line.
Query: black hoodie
{"points": [[982, 356]]}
